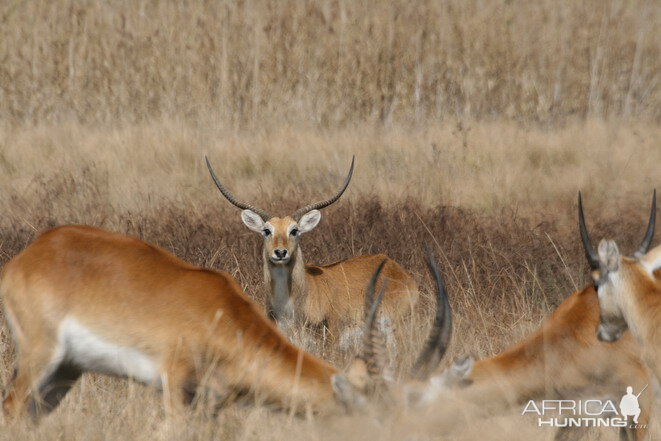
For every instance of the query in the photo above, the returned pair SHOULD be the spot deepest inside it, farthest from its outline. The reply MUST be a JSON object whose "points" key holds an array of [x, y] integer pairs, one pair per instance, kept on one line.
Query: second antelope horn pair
{"points": [[437, 341], [591, 254], [266, 215]]}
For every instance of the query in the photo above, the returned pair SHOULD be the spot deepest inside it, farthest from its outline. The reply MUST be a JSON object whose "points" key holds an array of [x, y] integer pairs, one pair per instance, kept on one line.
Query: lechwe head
{"points": [[628, 288], [79, 299], [281, 234], [327, 294]]}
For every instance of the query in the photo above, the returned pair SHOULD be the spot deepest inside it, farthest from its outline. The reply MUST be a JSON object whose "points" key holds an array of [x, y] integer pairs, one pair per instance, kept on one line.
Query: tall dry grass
{"points": [[328, 63], [482, 166], [503, 274]]}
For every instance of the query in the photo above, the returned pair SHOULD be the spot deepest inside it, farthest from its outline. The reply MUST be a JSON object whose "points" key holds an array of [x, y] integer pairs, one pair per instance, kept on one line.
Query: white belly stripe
{"points": [[91, 353]]}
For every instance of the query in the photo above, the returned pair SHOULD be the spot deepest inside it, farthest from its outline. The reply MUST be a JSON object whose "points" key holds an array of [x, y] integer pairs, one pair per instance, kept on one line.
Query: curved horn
{"points": [[322, 204], [590, 253], [439, 336], [649, 234], [230, 197], [371, 287], [374, 352]]}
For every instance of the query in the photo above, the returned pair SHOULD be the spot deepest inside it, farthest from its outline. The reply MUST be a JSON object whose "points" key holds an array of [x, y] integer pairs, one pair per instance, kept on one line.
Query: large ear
{"points": [[253, 221], [346, 393], [609, 255], [462, 367], [422, 393], [357, 373], [309, 220]]}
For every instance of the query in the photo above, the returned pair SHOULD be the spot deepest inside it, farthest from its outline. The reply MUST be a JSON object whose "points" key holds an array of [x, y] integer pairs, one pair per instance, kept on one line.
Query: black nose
{"points": [[280, 253]]}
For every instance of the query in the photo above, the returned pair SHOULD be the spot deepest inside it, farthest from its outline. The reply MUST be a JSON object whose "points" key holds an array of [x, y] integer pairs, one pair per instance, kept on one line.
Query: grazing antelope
{"points": [[562, 360], [330, 295], [629, 291], [81, 299]]}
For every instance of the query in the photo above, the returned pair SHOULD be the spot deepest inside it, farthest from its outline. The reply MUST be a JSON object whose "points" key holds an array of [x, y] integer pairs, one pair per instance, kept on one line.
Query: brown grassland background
{"points": [[474, 124]]}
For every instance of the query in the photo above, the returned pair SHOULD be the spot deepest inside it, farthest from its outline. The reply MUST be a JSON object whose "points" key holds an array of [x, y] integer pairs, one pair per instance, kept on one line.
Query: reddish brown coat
{"points": [[136, 295]]}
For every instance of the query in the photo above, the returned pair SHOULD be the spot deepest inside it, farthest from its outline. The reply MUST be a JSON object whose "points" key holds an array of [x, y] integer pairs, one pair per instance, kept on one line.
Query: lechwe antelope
{"points": [[330, 295], [80, 299], [629, 291], [562, 360]]}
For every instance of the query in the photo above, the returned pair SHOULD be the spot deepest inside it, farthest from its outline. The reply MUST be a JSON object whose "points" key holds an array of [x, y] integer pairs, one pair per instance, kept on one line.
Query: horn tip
{"points": [[206, 159]]}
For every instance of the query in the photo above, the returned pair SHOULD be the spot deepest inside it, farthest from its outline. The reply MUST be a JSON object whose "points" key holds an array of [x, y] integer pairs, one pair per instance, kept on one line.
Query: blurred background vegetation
{"points": [[328, 63]]}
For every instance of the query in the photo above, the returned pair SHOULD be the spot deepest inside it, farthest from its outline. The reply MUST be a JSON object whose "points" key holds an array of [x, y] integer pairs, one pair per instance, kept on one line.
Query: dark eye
{"points": [[267, 232], [294, 232]]}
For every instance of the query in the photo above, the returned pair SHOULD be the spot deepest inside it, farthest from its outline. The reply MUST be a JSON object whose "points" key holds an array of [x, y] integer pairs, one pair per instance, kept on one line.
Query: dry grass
{"points": [[473, 123], [506, 265], [328, 62], [484, 166]]}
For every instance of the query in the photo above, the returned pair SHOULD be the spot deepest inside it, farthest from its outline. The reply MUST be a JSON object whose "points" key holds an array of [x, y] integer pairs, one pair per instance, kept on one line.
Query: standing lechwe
{"points": [[329, 295]]}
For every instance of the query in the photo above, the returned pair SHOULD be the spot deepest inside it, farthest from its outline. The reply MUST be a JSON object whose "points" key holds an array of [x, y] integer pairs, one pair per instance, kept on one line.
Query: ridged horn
{"points": [[323, 204], [441, 331], [590, 254], [230, 197], [374, 348]]}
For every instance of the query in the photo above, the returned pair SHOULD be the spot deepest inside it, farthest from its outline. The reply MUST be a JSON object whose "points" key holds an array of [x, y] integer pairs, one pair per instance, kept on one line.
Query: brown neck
{"points": [[640, 306], [510, 378], [536, 367], [267, 364], [287, 282]]}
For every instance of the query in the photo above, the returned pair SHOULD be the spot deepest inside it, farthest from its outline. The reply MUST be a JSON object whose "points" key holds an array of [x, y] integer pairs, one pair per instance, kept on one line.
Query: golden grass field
{"points": [[474, 125]]}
